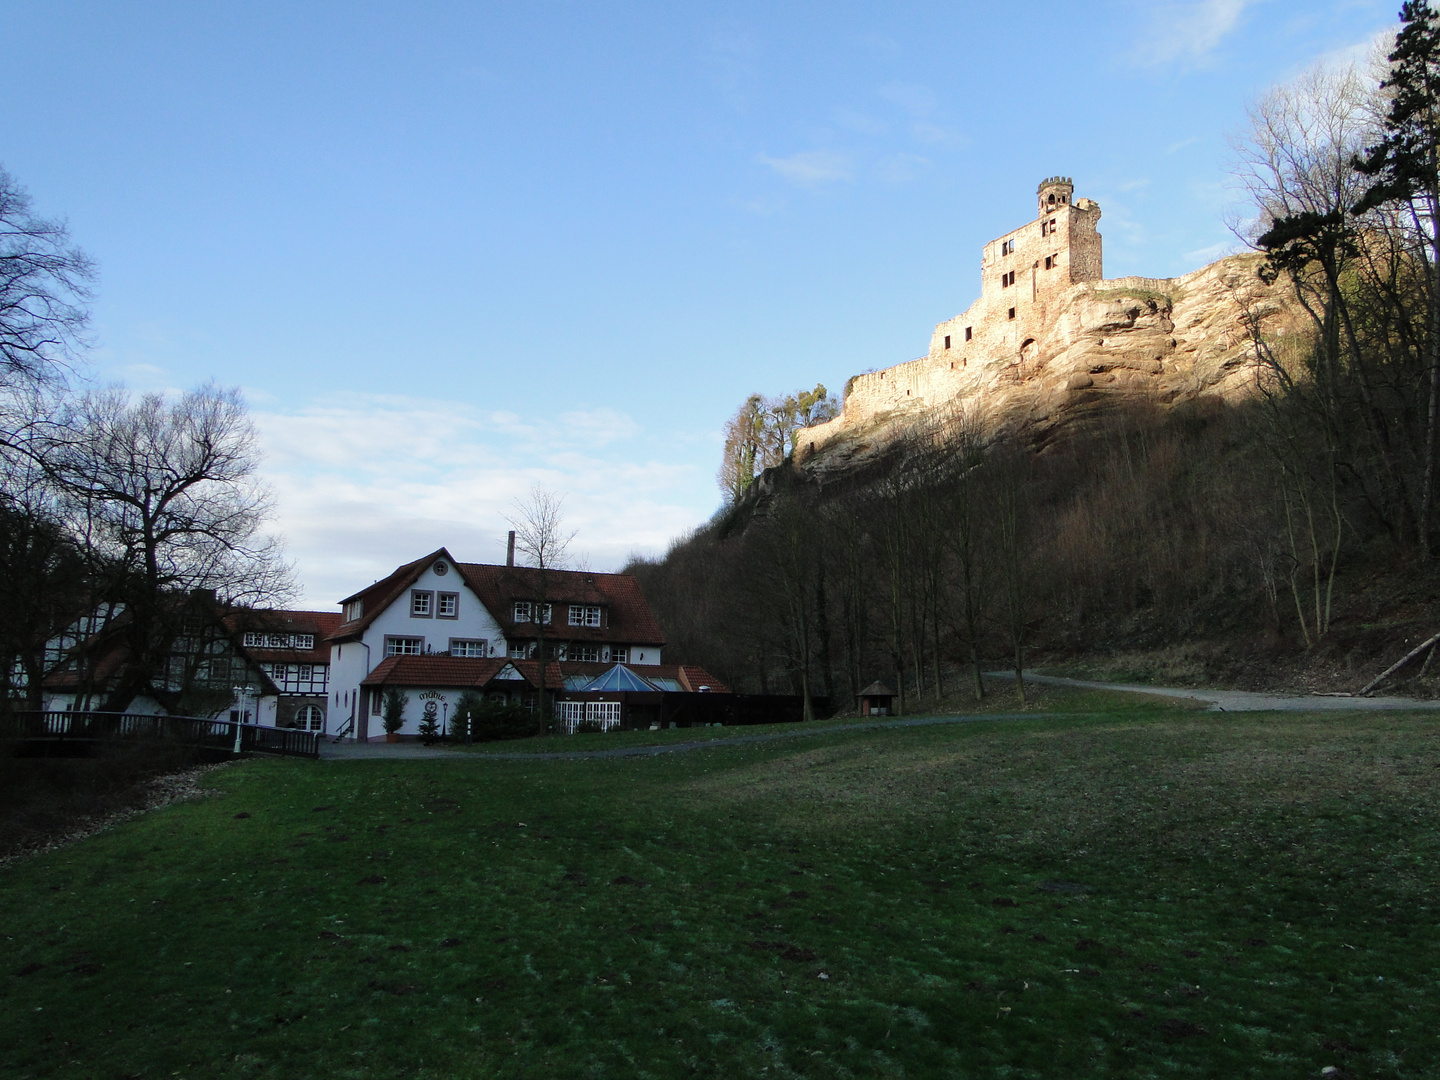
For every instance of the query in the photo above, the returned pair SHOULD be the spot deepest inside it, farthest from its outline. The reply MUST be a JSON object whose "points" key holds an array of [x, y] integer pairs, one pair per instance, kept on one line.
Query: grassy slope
{"points": [[1258, 903]]}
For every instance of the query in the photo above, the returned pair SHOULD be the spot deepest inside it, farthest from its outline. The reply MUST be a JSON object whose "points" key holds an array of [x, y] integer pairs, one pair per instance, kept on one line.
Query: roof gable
{"points": [[378, 597]]}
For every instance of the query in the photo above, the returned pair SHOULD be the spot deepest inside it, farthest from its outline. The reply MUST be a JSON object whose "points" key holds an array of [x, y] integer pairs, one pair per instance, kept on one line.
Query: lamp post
{"points": [[243, 693]]}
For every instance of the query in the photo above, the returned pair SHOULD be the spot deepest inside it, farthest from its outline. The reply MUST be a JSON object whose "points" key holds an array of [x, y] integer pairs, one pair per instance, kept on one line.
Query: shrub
{"points": [[467, 709], [393, 711], [494, 721]]}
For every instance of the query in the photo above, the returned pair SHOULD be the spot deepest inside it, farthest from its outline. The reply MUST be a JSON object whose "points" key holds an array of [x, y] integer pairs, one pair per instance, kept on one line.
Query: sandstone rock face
{"points": [[1108, 343]]}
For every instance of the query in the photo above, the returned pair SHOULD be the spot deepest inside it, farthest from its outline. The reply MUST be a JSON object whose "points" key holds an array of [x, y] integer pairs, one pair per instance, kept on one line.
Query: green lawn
{"points": [[1142, 893]]}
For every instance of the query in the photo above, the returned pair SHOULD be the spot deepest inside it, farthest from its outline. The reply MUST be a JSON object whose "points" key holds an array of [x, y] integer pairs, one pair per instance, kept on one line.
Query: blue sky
{"points": [[452, 250]]}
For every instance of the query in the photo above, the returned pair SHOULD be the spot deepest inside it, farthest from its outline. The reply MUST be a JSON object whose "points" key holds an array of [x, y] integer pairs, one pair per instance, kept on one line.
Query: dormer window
{"points": [[584, 614], [354, 609], [525, 611]]}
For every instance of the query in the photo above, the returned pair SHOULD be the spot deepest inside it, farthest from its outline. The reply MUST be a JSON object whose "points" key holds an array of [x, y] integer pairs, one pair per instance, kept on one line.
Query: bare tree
{"points": [[539, 524], [541, 538], [1014, 557], [44, 287], [165, 499]]}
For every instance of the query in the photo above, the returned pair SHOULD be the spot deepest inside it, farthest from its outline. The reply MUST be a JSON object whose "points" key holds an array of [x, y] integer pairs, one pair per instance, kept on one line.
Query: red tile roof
{"points": [[457, 671], [463, 672], [627, 614], [321, 624]]}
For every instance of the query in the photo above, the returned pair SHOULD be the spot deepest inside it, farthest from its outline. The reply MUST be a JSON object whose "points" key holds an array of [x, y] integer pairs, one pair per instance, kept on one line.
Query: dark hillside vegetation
{"points": [[1160, 545]]}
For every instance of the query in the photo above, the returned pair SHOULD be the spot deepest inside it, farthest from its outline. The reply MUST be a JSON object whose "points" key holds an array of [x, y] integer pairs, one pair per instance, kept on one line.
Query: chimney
{"points": [[510, 550]]}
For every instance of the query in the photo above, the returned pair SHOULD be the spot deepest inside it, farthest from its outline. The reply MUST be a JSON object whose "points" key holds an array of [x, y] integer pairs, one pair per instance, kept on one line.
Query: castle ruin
{"points": [[1049, 335]]}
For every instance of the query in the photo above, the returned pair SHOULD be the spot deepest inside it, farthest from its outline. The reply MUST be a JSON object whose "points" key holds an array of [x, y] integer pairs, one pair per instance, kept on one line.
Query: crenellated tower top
{"points": [[1055, 191]]}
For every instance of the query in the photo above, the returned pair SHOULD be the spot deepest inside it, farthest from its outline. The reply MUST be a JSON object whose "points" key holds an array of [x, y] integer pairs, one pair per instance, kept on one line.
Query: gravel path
{"points": [[1239, 700]]}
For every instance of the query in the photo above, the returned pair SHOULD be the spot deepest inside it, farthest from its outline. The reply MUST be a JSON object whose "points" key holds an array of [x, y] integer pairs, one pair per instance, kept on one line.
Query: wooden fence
{"points": [[217, 735]]}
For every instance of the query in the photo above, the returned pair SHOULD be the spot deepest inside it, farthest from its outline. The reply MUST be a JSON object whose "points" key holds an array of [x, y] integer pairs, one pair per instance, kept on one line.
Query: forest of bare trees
{"points": [[1298, 525]]}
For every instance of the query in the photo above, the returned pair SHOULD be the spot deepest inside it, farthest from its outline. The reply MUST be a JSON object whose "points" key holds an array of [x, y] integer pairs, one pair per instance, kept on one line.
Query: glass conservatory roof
{"points": [[619, 678]]}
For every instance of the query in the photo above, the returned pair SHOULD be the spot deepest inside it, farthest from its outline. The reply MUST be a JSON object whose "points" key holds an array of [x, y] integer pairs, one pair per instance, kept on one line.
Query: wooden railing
{"points": [[228, 735]]}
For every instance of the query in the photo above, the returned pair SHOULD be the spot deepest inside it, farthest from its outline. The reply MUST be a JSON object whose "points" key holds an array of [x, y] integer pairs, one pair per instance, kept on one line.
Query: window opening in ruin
{"points": [[967, 332], [947, 341], [1047, 262], [1012, 313], [1044, 229], [1052, 224]]}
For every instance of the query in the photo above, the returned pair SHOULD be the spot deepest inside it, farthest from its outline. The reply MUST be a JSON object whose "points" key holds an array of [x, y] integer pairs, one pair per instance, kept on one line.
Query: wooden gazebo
{"points": [[877, 699]]}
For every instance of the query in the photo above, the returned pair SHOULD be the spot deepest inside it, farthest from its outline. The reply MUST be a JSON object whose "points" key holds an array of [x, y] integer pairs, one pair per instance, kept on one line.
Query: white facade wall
{"points": [[352, 661]]}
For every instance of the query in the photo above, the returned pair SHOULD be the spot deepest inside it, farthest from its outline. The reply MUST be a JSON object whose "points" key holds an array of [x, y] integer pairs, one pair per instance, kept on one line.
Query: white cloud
{"points": [[365, 483], [809, 168], [1188, 31]]}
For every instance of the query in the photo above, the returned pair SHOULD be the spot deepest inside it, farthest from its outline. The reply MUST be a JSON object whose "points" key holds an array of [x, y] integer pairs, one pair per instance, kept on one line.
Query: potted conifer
{"points": [[393, 714]]}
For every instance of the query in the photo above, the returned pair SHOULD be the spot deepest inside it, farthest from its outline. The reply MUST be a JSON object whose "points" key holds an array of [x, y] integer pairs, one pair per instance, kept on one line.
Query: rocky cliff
{"points": [[1110, 343]]}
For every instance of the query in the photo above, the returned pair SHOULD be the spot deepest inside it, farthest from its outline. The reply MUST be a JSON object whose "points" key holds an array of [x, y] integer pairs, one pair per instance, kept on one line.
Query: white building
{"points": [[437, 607]]}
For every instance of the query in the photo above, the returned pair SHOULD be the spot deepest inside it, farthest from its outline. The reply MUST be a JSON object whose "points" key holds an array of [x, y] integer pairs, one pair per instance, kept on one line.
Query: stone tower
{"points": [[1024, 277], [1055, 192]]}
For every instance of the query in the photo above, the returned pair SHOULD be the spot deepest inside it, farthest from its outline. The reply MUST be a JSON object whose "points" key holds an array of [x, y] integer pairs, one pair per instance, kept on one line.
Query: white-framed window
{"points": [[469, 648], [584, 614], [354, 609], [422, 604], [557, 650], [404, 646], [606, 712], [447, 605], [306, 673], [309, 718], [522, 650], [588, 654], [255, 640], [572, 711], [525, 611], [619, 654]]}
